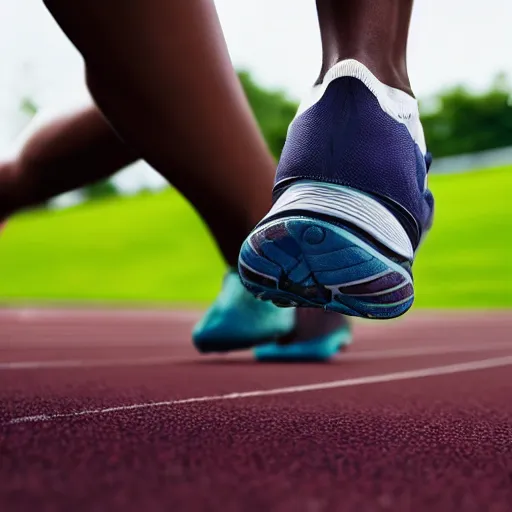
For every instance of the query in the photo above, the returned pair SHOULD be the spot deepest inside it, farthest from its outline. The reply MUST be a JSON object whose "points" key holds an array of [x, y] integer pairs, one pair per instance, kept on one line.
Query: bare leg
{"points": [[64, 155], [374, 32], [78, 149], [161, 74]]}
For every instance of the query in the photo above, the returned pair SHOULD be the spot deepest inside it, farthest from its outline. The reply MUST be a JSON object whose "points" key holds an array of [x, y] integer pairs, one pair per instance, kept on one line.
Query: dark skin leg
{"points": [[147, 71], [73, 151], [160, 73], [374, 32], [67, 153]]}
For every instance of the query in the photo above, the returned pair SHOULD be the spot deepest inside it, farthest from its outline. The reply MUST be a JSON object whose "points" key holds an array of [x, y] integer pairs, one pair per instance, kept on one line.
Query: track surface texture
{"points": [[114, 410]]}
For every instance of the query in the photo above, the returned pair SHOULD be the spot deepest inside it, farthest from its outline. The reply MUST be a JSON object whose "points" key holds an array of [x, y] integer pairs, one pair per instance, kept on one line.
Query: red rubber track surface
{"points": [[94, 415]]}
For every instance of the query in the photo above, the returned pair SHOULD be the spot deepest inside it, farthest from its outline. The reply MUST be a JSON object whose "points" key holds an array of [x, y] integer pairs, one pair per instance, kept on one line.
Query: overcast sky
{"points": [[452, 41]]}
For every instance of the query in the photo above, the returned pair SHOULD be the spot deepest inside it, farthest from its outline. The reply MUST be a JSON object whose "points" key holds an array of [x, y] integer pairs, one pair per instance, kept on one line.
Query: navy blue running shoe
{"points": [[351, 203]]}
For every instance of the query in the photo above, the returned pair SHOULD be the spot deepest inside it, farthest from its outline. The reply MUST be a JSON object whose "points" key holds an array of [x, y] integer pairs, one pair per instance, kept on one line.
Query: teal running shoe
{"points": [[238, 321]]}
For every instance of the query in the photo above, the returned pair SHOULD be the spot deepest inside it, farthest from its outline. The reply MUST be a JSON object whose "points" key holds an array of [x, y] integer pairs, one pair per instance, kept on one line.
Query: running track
{"points": [[115, 411]]}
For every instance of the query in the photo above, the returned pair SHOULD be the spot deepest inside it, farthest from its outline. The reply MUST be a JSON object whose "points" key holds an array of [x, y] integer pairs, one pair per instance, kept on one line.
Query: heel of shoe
{"points": [[304, 261]]}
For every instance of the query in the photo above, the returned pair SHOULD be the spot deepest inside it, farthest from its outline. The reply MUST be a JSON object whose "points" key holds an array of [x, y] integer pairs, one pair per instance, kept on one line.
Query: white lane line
{"points": [[91, 363], [114, 315], [365, 355], [434, 371], [393, 353]]}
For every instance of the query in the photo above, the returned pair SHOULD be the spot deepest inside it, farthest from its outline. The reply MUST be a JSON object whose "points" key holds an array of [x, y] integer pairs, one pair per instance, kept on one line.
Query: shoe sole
{"points": [[302, 261]]}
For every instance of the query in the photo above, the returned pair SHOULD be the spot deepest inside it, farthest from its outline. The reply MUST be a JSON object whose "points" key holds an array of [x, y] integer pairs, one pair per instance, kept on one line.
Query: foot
{"points": [[351, 203], [238, 321]]}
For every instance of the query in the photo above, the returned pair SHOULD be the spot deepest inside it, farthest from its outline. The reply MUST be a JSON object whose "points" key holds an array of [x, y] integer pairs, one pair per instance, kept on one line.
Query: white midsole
{"points": [[348, 205]]}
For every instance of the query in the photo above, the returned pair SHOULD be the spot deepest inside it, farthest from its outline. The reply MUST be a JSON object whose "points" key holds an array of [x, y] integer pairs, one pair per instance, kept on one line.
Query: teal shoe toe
{"points": [[237, 320]]}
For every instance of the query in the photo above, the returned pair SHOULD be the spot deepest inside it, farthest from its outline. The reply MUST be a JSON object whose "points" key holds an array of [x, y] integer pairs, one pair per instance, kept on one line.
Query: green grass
{"points": [[154, 248], [467, 259]]}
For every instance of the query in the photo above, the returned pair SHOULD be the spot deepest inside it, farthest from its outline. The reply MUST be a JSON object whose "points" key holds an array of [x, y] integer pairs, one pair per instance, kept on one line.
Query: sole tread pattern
{"points": [[302, 261]]}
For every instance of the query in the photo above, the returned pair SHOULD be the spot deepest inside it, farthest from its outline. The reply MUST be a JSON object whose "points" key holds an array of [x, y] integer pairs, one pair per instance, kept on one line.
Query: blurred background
{"points": [[134, 239]]}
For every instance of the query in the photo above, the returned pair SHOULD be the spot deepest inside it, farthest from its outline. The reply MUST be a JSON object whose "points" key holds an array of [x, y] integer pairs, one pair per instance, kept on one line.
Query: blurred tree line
{"points": [[456, 120], [467, 122], [272, 109]]}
